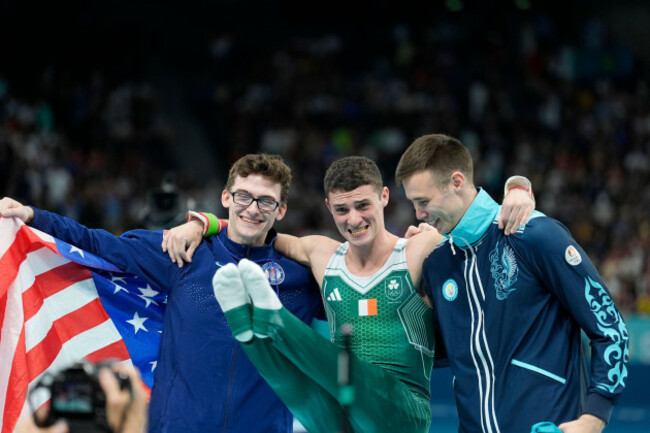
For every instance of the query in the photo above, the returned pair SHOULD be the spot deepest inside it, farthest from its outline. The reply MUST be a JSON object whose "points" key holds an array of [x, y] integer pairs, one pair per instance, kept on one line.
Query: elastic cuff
{"points": [[599, 406], [265, 321], [40, 220], [240, 319]]}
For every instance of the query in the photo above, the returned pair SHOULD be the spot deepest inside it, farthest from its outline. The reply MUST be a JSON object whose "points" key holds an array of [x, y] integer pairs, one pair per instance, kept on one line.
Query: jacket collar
{"points": [[239, 251], [478, 218]]}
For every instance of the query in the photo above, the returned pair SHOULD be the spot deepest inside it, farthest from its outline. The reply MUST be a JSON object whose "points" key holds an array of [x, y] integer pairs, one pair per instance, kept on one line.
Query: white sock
{"points": [[230, 293], [258, 287]]}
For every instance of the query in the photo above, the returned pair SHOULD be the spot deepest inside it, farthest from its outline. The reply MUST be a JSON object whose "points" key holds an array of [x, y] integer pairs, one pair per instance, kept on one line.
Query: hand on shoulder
{"points": [[421, 228], [181, 241]]}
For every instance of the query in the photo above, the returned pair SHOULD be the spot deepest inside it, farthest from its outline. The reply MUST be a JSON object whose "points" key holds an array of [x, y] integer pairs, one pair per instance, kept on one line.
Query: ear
{"points": [[385, 194], [457, 181], [226, 199], [327, 203], [282, 210]]}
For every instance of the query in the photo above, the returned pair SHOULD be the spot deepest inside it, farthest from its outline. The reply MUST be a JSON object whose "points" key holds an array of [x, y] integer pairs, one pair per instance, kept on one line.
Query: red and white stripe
{"points": [[51, 316], [193, 215]]}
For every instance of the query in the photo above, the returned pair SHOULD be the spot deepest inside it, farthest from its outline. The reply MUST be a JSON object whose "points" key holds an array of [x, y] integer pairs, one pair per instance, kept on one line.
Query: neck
{"points": [[469, 194], [475, 221], [367, 259]]}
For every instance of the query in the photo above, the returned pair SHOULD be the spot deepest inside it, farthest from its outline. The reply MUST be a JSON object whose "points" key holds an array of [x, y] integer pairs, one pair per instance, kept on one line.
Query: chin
{"points": [[250, 233], [253, 234]]}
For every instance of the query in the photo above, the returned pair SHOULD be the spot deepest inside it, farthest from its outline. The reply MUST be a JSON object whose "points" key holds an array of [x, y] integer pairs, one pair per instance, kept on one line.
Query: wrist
{"points": [[211, 224], [594, 421], [30, 215]]}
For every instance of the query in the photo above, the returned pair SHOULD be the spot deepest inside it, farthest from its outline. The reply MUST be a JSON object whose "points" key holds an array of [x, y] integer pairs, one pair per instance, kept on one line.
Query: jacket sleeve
{"points": [[137, 251], [566, 270]]}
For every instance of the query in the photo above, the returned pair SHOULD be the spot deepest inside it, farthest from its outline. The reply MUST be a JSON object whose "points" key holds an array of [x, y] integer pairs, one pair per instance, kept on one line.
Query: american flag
{"points": [[60, 304]]}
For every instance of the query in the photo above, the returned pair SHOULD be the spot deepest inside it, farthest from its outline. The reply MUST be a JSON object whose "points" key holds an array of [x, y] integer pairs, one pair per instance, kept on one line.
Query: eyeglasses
{"points": [[263, 204]]}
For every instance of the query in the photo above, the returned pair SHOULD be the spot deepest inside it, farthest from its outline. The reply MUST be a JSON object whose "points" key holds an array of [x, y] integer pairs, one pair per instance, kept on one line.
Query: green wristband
{"points": [[214, 225]]}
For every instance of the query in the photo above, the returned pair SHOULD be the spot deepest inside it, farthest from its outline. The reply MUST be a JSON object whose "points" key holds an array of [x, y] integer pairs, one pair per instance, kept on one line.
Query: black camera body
{"points": [[77, 397]]}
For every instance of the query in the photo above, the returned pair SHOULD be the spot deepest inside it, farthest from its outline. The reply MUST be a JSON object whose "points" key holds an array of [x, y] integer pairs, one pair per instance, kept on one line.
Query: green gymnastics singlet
{"points": [[392, 326], [391, 353]]}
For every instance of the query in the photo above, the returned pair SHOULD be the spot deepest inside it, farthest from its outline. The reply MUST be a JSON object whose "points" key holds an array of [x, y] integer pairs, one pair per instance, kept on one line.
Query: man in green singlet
{"points": [[367, 282]]}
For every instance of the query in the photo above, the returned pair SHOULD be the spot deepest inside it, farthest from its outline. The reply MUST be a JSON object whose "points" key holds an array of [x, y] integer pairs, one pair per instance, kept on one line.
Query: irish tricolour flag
{"points": [[367, 307]]}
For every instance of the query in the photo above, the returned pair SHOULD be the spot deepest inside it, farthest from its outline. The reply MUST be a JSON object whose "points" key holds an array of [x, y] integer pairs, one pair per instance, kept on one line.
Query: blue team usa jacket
{"points": [[204, 382], [510, 310]]}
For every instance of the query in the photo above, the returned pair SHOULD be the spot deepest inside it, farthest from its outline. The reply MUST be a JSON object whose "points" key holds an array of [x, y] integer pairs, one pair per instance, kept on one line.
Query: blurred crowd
{"points": [[566, 106], [83, 150]]}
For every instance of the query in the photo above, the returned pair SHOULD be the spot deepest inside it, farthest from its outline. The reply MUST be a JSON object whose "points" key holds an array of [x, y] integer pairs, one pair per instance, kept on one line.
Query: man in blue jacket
{"points": [[511, 309], [204, 382]]}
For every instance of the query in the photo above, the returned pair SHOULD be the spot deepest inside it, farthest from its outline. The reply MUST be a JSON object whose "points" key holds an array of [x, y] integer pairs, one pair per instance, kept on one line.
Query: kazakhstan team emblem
{"points": [[450, 290], [274, 273]]}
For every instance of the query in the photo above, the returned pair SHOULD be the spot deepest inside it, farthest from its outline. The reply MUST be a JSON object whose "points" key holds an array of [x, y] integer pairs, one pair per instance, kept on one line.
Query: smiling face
{"points": [[437, 172], [358, 214], [441, 205], [248, 225]]}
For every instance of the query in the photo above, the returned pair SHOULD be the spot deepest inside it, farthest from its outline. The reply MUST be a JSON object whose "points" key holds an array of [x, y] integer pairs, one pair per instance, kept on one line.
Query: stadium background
{"points": [[122, 114]]}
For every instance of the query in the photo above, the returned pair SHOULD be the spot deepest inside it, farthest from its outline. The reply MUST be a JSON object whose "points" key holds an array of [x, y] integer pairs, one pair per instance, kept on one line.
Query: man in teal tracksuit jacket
{"points": [[511, 309]]}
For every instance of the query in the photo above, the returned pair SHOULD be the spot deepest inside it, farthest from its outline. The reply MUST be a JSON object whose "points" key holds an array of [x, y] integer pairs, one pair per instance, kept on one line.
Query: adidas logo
{"points": [[334, 296]]}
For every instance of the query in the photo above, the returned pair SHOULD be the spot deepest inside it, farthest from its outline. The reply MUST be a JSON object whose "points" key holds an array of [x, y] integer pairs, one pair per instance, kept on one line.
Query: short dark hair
{"points": [[351, 172], [272, 167], [436, 152]]}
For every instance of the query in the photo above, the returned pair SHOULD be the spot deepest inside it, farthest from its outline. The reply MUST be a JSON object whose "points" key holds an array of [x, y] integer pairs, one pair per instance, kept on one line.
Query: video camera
{"points": [[76, 396]]}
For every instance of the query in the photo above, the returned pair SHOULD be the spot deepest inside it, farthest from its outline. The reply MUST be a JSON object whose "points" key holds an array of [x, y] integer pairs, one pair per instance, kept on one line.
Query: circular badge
{"points": [[450, 290], [572, 256], [274, 272]]}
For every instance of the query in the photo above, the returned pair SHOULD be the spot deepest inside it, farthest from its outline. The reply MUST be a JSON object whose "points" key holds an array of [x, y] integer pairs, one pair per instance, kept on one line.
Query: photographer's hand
{"points": [[126, 411], [27, 425]]}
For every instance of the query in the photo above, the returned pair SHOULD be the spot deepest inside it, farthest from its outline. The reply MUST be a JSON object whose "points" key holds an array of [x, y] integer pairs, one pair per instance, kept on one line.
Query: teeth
{"points": [[357, 231], [249, 220]]}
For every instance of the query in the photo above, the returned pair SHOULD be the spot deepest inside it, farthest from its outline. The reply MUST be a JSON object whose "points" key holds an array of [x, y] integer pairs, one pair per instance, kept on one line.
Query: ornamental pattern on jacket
{"points": [[504, 271], [612, 325]]}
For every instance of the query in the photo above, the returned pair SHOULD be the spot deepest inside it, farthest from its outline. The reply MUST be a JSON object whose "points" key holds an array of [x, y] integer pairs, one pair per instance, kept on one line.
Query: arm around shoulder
{"points": [[418, 248], [307, 250]]}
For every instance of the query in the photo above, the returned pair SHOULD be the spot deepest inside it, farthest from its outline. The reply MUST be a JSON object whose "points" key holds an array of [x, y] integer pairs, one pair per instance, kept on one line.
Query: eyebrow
{"points": [[356, 202]]}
